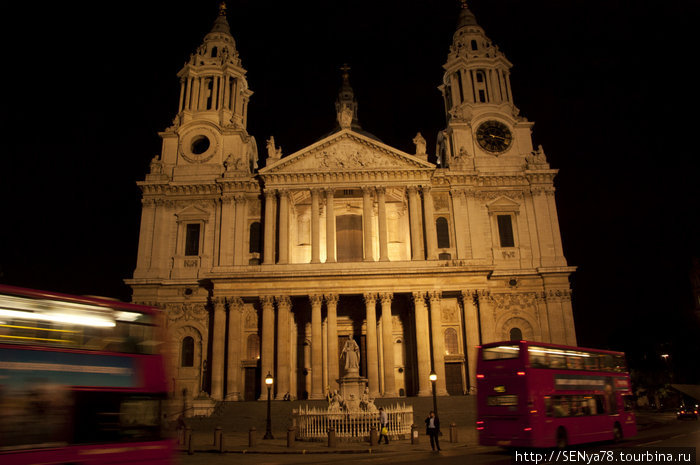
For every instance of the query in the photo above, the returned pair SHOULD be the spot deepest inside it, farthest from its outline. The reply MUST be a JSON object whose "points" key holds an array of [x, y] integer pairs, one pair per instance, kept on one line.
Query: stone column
{"points": [[284, 227], [182, 95], [146, 250], [269, 235], [330, 227], [414, 218], [568, 317], [196, 87], [487, 317], [233, 373], [422, 344], [226, 239], [460, 217], [367, 215], [214, 92], [225, 94], [284, 305], [316, 348], [438, 342], [372, 349], [388, 345], [556, 233], [430, 231], [202, 94], [471, 324], [217, 350], [383, 232], [240, 255], [544, 225], [267, 355], [332, 327], [188, 93], [480, 248], [556, 316], [315, 227]]}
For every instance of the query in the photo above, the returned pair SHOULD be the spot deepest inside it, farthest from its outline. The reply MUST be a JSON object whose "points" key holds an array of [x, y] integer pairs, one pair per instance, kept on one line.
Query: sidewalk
{"points": [[203, 442]]}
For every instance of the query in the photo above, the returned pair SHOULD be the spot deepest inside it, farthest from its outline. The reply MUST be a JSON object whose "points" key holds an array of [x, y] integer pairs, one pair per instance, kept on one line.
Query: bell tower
{"points": [[208, 136], [484, 130]]}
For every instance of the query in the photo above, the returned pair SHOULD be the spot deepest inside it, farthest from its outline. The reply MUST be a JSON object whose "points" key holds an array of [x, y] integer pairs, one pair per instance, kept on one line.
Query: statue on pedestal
{"points": [[351, 351]]}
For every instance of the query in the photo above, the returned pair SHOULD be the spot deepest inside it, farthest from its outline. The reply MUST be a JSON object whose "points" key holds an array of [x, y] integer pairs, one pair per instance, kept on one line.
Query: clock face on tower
{"points": [[494, 136]]}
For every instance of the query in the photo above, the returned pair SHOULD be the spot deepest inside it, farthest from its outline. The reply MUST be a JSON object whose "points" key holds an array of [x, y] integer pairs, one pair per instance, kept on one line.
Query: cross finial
{"points": [[346, 73], [222, 9]]}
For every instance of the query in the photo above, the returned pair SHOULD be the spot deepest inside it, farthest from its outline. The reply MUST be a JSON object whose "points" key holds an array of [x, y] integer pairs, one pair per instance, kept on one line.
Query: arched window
{"points": [[516, 334], [253, 347], [255, 233], [451, 342], [187, 352], [443, 233]]}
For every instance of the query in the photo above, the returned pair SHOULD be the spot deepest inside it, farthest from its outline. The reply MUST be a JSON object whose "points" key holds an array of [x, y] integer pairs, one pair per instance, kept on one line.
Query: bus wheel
{"points": [[617, 433], [562, 440]]}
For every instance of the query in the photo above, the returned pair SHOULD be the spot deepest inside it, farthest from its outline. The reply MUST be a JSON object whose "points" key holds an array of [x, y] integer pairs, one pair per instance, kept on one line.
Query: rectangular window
{"points": [[502, 401], [501, 352], [505, 230], [192, 239]]}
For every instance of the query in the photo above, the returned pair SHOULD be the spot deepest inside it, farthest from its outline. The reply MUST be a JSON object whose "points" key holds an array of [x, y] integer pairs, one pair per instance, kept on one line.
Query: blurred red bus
{"points": [[81, 381], [531, 394]]}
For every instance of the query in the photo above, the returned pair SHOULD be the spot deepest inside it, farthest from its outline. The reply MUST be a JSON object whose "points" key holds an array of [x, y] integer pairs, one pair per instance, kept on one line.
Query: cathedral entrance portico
{"points": [[418, 257]]}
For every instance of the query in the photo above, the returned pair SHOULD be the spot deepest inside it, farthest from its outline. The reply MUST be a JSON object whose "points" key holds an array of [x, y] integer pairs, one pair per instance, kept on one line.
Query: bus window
{"points": [[574, 361], [620, 365], [591, 362], [537, 359], [574, 406], [500, 352], [606, 362]]}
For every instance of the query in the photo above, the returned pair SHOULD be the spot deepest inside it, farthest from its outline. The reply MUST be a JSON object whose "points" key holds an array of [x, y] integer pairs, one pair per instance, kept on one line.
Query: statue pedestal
{"points": [[352, 385]]}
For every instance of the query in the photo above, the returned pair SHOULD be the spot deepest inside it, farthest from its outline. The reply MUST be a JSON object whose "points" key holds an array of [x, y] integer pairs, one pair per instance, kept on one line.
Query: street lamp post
{"points": [[433, 378], [268, 429]]}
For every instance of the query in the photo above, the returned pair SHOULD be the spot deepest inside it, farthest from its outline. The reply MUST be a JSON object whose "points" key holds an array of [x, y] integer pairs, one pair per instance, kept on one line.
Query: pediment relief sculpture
{"points": [[346, 154]]}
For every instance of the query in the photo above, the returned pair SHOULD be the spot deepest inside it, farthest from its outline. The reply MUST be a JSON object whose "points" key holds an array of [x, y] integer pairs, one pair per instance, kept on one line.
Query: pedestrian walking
{"points": [[432, 429], [384, 426]]}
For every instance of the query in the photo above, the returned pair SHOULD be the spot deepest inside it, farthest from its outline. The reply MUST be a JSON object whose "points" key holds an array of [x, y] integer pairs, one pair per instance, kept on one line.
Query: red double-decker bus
{"points": [[531, 394], [81, 381]]}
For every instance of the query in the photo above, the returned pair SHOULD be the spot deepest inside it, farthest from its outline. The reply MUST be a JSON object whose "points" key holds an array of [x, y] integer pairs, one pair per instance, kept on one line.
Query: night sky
{"points": [[609, 83]]}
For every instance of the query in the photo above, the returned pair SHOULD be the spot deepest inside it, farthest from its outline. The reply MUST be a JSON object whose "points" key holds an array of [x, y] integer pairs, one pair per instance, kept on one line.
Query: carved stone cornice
{"points": [[557, 295], [186, 311], [331, 299], [484, 295], [515, 302], [386, 297], [418, 297], [235, 303], [468, 296], [284, 302], [219, 303], [492, 195]]}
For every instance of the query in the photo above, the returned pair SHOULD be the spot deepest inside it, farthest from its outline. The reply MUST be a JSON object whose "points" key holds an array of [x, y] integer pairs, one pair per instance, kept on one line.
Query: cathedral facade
{"points": [[271, 270]]}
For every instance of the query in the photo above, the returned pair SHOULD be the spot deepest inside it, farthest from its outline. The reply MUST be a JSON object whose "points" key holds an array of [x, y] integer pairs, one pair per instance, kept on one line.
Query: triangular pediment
{"points": [[503, 204], [346, 151]]}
